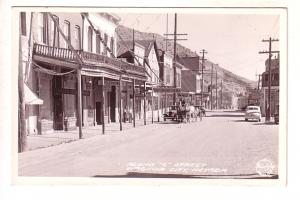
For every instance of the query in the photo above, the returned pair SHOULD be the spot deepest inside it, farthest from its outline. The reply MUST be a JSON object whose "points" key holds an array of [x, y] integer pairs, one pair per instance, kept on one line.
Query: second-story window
{"points": [[105, 44], [23, 23], [54, 39], [77, 38], [40, 27], [266, 78], [168, 76], [112, 45], [98, 44], [90, 39], [66, 31]]}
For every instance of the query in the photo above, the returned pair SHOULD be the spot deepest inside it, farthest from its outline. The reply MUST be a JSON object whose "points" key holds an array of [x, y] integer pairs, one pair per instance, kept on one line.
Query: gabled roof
{"points": [[124, 46], [191, 63]]}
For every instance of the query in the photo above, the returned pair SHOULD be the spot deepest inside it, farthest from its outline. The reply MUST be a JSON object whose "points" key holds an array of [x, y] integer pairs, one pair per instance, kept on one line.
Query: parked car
{"points": [[276, 115], [253, 112]]}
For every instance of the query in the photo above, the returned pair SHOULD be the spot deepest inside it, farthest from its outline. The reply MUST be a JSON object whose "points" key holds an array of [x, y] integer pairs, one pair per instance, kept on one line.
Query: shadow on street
{"points": [[157, 175], [224, 115]]}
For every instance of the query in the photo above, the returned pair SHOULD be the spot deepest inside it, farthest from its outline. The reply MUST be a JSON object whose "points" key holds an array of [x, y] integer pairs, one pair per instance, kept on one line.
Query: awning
{"points": [[30, 97]]}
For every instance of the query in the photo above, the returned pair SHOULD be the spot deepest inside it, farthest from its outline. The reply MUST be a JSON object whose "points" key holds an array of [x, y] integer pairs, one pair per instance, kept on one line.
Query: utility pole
{"points": [[221, 106], [174, 62], [174, 55], [203, 51], [22, 138], [211, 81], [216, 89], [268, 107]]}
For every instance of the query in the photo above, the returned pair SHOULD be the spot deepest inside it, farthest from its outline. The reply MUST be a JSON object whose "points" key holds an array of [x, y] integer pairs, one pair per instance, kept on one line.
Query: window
{"points": [[276, 77], [98, 44], [40, 27], [77, 37], [105, 44], [54, 40], [266, 78], [23, 23], [112, 45], [168, 77], [90, 39], [66, 31]]}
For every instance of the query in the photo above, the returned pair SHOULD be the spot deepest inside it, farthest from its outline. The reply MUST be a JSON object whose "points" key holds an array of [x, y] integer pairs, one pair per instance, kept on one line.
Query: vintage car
{"points": [[253, 112]]}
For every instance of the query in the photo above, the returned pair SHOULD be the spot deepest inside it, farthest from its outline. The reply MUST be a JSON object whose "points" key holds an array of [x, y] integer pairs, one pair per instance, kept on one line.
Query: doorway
{"points": [[57, 103], [113, 104], [98, 112]]}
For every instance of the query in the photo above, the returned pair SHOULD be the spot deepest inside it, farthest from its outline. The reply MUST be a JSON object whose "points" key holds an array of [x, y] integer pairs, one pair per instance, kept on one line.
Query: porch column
{"points": [[94, 101], [165, 102], [158, 106], [152, 104], [145, 103], [133, 102], [108, 105], [120, 102], [103, 105], [79, 102]]}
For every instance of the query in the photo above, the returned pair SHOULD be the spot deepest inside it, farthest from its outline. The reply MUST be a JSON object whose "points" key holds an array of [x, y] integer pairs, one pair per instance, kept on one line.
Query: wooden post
{"points": [[120, 102], [158, 107], [103, 105], [79, 103], [166, 102], [94, 101], [22, 138], [133, 102], [145, 103], [108, 106], [152, 105]]}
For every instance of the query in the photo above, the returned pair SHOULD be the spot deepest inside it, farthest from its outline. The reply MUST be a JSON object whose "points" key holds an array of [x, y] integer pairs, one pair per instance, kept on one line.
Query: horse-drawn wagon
{"points": [[182, 113]]}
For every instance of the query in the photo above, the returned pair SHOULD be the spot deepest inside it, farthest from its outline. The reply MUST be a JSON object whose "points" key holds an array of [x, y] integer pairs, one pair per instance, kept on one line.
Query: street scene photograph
{"points": [[143, 93]]}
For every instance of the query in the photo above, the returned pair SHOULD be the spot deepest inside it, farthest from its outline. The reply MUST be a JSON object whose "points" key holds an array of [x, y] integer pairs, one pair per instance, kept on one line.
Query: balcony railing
{"points": [[68, 55], [54, 52]]}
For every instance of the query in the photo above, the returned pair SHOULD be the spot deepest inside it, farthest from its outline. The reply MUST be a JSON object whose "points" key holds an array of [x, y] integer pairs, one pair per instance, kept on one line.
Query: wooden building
{"points": [[72, 67]]}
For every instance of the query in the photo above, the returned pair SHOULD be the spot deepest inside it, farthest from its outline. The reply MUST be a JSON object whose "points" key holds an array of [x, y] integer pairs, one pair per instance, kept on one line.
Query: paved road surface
{"points": [[222, 145]]}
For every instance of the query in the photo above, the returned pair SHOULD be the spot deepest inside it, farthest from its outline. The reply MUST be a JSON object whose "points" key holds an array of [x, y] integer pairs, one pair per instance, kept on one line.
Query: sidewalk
{"points": [[62, 137]]}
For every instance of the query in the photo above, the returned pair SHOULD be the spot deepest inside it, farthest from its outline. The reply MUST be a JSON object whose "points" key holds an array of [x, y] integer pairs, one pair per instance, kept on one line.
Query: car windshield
{"points": [[252, 108]]}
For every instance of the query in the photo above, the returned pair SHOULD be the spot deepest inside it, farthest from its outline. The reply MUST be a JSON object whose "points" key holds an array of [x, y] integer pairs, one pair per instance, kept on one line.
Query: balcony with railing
{"points": [[87, 58]]}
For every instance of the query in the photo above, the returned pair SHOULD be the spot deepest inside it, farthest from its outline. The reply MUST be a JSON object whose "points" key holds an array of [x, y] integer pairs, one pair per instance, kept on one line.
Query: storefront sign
{"points": [[73, 91]]}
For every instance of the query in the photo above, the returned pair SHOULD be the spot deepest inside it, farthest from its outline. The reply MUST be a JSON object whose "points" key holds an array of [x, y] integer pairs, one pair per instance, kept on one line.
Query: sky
{"points": [[231, 40]]}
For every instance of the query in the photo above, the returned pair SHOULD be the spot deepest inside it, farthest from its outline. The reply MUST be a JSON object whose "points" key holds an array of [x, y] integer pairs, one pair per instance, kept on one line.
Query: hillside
{"points": [[233, 85]]}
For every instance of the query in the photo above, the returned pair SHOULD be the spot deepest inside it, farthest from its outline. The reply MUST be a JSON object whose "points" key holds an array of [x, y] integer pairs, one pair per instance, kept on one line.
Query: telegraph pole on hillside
{"points": [[174, 55], [203, 51], [268, 107]]}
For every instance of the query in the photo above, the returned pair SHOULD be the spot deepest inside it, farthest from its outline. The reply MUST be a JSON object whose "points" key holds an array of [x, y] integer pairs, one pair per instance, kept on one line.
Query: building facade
{"points": [[71, 66], [274, 103]]}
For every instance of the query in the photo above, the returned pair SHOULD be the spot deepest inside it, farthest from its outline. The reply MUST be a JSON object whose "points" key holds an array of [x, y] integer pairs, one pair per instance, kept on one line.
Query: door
{"points": [[113, 104], [98, 112], [57, 103]]}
